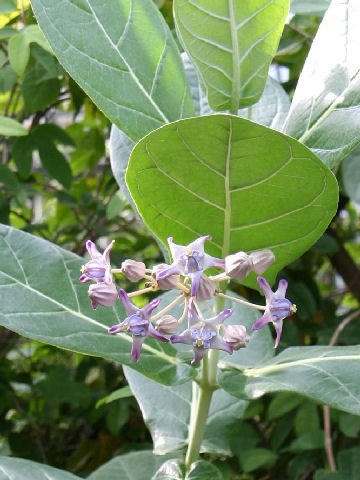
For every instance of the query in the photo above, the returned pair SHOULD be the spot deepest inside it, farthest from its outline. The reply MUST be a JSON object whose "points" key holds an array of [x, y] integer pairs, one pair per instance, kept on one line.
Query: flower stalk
{"points": [[199, 415]]}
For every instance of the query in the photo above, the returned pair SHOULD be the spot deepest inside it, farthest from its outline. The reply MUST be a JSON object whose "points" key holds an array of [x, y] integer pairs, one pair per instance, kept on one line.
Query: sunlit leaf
{"points": [[248, 186], [123, 56], [232, 44]]}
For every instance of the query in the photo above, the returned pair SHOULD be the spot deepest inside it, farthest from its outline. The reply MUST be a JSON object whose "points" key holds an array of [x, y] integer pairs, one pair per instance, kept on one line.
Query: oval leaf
{"points": [[232, 44], [19, 52], [325, 111], [248, 186], [11, 128], [19, 469], [41, 298], [325, 374], [123, 56]]}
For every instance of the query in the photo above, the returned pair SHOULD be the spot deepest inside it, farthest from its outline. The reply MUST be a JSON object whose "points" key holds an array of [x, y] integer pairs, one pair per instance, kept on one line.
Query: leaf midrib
{"points": [[235, 93], [257, 372], [134, 77]]}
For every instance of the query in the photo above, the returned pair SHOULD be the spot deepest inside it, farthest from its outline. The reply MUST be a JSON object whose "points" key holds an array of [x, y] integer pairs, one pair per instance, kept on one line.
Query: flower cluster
{"points": [[186, 274]]}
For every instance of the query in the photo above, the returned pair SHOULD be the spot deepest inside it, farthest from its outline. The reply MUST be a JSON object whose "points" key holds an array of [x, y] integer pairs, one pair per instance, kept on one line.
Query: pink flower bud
{"points": [[236, 336], [238, 265], [167, 283], [102, 294], [133, 270], [167, 324], [206, 289], [262, 260]]}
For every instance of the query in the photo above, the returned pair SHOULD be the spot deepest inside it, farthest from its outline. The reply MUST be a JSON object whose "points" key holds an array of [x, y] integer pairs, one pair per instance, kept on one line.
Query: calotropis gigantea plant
{"points": [[252, 178]]}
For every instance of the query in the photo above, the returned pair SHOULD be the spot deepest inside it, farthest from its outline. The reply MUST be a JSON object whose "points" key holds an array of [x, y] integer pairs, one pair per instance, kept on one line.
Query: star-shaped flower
{"points": [[277, 307], [191, 261], [203, 334], [137, 323], [98, 268]]}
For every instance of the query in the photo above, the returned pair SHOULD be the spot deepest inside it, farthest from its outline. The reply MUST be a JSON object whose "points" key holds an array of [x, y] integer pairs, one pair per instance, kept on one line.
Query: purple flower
{"points": [[203, 335], [277, 307], [190, 260], [98, 268], [137, 323]]}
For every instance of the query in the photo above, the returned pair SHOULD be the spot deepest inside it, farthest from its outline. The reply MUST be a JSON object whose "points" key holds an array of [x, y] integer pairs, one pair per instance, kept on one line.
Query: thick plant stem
{"points": [[207, 385], [198, 420]]}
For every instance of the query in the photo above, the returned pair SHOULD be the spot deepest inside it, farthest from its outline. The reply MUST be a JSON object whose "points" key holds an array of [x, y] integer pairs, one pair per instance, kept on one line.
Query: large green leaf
{"points": [[41, 298], [325, 374], [19, 469], [325, 111], [123, 55], [248, 186], [232, 44], [131, 466]]}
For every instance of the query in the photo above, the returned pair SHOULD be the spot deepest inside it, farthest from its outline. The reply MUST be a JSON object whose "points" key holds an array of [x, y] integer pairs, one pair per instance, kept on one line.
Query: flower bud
{"points": [[206, 289], [133, 270], [262, 260], [102, 294], [167, 283], [238, 265], [236, 336], [167, 324]]}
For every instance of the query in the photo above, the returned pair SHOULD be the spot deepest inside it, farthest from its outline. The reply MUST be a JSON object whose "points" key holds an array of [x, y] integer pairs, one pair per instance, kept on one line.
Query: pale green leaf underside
{"points": [[123, 55], [171, 432], [309, 7], [325, 111], [19, 469], [232, 44], [175, 470], [327, 375], [350, 174], [248, 186], [41, 298], [131, 466]]}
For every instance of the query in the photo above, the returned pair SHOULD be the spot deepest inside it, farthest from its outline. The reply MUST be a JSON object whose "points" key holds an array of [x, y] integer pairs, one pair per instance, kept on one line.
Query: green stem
{"points": [[199, 417], [204, 390]]}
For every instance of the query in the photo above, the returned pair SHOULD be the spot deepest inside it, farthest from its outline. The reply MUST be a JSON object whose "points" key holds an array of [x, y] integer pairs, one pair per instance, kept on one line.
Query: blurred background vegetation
{"points": [[76, 412]]}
